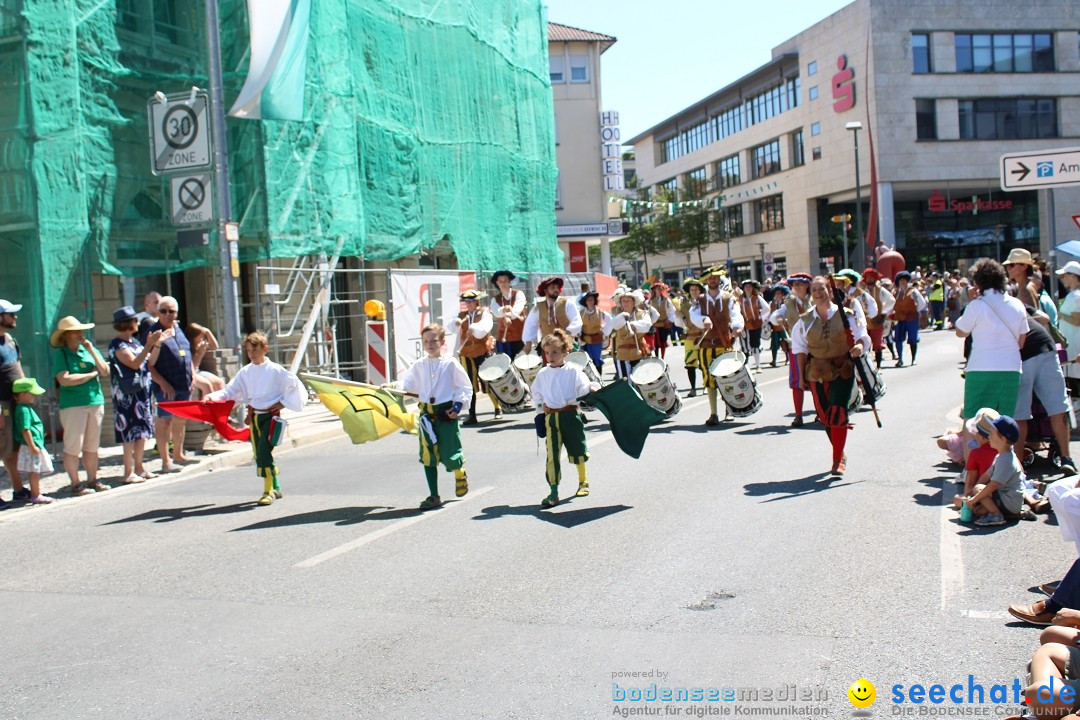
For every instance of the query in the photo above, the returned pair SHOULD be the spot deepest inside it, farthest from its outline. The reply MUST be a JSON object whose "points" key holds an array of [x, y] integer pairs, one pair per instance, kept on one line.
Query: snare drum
{"points": [[736, 384], [504, 381], [528, 366], [651, 379], [582, 361], [877, 383]]}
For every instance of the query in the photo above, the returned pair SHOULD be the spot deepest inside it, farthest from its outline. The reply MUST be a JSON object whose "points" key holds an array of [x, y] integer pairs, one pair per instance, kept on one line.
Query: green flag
{"points": [[630, 417]]}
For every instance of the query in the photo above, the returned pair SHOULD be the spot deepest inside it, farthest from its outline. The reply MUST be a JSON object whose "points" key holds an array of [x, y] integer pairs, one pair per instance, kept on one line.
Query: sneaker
{"points": [[1034, 614], [498, 415], [20, 495], [471, 420], [899, 363], [1068, 467], [1026, 514], [991, 519], [40, 500], [693, 393], [267, 499]]}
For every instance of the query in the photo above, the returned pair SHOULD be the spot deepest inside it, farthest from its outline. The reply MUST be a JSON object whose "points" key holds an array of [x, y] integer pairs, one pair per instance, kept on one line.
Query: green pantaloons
{"points": [[565, 429], [447, 449], [264, 451]]}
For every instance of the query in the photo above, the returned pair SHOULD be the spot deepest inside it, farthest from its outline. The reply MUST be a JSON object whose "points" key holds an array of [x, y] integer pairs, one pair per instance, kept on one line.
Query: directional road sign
{"points": [[191, 202], [1047, 169], [179, 132]]}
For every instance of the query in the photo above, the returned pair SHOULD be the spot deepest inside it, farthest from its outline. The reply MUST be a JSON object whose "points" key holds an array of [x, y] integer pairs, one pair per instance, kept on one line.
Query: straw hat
{"points": [[65, 324], [1019, 256]]}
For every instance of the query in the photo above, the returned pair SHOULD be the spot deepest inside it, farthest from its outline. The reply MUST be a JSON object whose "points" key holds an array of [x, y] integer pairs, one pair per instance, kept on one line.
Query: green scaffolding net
{"points": [[425, 124]]}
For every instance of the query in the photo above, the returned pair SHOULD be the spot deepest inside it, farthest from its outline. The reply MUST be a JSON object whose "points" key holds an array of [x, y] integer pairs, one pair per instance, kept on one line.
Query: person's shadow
{"points": [[341, 517], [185, 513], [563, 518], [786, 489]]}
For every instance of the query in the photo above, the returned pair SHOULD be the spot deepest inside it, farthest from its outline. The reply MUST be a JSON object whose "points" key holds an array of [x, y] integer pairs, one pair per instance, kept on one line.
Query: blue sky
{"points": [[672, 53]]}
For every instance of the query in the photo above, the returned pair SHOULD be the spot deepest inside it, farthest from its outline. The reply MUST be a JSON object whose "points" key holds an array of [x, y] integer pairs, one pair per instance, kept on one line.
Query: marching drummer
{"points": [[908, 306], [820, 343], [694, 289], [593, 322], [628, 327], [475, 343], [755, 313], [665, 317], [797, 303], [858, 300], [875, 323], [717, 312], [508, 307], [779, 337], [550, 312]]}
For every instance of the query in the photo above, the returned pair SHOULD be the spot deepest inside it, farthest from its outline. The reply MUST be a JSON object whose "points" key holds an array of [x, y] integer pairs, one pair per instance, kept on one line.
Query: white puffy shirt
{"points": [[263, 385], [437, 380], [557, 387]]}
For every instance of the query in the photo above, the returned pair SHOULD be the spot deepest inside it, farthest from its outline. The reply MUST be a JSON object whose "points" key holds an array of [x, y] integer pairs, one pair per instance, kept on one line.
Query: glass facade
{"points": [[1008, 118], [1004, 52]]}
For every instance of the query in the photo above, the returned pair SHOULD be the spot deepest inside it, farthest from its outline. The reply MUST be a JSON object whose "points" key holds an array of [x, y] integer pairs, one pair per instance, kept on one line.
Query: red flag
{"points": [[215, 413]]}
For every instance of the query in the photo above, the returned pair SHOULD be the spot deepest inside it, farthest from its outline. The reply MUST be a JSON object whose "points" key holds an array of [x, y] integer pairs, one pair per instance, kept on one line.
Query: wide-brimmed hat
{"points": [[65, 324], [124, 314], [714, 271], [751, 282], [585, 295], [870, 275], [553, 280], [498, 273], [1019, 256], [661, 285], [800, 277], [782, 287], [473, 295], [689, 282], [1071, 268], [638, 296], [9, 308], [27, 384], [848, 275], [902, 275], [983, 422]]}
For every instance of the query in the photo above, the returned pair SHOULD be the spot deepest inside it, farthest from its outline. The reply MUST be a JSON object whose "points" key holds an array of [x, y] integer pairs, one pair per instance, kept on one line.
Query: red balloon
{"points": [[889, 263]]}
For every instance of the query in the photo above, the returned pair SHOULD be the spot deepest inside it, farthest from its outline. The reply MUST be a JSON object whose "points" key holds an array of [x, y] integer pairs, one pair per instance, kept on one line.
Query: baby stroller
{"points": [[1040, 434]]}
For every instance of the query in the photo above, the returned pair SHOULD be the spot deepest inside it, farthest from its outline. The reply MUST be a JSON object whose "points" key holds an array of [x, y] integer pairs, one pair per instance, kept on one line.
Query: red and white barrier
{"points": [[377, 358]]}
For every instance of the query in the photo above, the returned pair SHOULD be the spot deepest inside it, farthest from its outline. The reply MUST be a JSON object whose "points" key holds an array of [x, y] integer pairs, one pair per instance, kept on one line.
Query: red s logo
{"points": [[844, 95]]}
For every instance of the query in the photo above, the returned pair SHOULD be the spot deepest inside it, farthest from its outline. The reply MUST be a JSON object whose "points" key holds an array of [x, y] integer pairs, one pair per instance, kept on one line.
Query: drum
{"points": [[504, 382], [528, 366], [736, 384], [651, 379], [582, 360], [877, 382]]}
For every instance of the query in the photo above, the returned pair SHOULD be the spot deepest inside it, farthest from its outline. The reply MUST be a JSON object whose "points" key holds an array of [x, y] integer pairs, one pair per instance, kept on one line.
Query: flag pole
{"points": [[353, 383]]}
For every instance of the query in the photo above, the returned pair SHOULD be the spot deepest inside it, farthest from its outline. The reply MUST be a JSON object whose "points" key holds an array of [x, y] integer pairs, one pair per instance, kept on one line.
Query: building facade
{"points": [[932, 97]]}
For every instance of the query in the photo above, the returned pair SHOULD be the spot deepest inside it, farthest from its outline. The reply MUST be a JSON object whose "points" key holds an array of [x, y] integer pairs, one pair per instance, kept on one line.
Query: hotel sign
{"points": [[611, 151]]}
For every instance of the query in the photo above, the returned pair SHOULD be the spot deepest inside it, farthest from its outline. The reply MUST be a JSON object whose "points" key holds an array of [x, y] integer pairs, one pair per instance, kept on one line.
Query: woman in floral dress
{"points": [[130, 380]]}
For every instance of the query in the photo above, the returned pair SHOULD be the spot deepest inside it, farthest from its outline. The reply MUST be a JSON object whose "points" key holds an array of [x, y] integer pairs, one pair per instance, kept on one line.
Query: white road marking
{"points": [[383, 532], [951, 550], [987, 614]]}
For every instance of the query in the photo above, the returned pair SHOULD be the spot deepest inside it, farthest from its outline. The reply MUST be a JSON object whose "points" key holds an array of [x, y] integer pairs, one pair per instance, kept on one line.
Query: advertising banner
{"points": [[420, 298]]}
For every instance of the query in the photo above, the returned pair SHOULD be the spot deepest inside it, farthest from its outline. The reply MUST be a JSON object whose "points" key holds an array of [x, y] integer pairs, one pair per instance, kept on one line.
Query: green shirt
{"points": [[78, 362], [27, 419]]}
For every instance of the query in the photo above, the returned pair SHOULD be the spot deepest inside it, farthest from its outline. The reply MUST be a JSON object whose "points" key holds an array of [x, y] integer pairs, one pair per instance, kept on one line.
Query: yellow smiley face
{"points": [[862, 693]]}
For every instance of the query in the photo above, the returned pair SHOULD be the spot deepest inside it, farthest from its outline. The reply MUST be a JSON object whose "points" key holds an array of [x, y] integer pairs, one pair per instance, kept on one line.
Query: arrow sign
{"points": [[1034, 170]]}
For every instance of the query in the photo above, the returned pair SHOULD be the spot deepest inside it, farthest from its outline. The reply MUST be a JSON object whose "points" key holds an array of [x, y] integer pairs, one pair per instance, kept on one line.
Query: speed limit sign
{"points": [[179, 132]]}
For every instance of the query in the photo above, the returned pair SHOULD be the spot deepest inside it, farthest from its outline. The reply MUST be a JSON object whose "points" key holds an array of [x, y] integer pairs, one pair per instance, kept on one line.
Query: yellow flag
{"points": [[367, 413]]}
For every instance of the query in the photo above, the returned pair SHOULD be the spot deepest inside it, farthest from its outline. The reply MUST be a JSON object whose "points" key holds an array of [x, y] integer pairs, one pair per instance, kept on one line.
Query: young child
{"points": [[444, 389], [555, 392], [1003, 494], [981, 458], [267, 388], [34, 461]]}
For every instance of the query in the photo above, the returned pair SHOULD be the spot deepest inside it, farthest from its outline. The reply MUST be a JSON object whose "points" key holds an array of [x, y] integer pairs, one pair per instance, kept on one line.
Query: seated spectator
{"points": [[1002, 496], [981, 458], [1054, 691], [203, 343]]}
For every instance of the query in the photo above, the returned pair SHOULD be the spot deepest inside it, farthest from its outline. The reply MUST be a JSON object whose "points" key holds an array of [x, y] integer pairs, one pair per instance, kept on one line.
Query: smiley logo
{"points": [[862, 693]]}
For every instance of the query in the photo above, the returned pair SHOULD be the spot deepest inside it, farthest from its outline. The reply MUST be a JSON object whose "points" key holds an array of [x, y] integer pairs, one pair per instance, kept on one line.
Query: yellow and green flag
{"points": [[367, 413]]}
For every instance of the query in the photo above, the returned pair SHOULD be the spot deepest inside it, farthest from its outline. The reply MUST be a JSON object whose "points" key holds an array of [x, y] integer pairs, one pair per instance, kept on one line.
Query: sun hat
{"points": [[553, 280], [65, 324], [585, 295], [1019, 256], [125, 313], [688, 282], [507, 273], [983, 422]]}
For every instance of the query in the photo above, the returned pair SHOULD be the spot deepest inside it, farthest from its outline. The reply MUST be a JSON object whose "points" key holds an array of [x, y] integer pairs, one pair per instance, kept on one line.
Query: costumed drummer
{"points": [[857, 299], [797, 303], [475, 343], [694, 289], [267, 388], [875, 322], [593, 324], [508, 309], [551, 312], [444, 388], [555, 391], [628, 327], [906, 309], [755, 312], [717, 313], [820, 343], [665, 317], [779, 336]]}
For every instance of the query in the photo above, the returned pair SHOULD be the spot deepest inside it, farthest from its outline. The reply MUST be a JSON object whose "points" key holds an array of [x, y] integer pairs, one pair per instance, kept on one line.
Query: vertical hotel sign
{"points": [[611, 150]]}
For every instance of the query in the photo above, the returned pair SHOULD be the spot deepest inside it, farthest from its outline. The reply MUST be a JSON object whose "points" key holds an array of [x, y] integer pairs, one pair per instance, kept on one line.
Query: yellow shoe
{"points": [[461, 486], [582, 489], [267, 499]]}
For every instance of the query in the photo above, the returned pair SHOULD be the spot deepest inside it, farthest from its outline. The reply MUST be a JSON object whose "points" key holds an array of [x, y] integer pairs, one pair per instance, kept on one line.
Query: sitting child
{"points": [[1054, 691], [981, 457], [1002, 496]]}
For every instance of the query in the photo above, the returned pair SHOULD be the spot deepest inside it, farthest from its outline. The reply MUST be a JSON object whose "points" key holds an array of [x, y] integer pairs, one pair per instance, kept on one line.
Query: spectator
{"points": [[1069, 318], [206, 378], [133, 417], [34, 460], [1002, 496], [149, 315], [1041, 375], [1021, 268], [936, 296], [172, 372], [77, 367], [10, 371]]}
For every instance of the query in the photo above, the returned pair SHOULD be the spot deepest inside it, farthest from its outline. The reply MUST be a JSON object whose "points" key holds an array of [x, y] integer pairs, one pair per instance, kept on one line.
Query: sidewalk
{"points": [[312, 424]]}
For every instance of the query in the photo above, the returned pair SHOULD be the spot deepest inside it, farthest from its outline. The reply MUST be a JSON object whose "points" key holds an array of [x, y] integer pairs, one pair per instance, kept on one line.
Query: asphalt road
{"points": [[722, 558]]}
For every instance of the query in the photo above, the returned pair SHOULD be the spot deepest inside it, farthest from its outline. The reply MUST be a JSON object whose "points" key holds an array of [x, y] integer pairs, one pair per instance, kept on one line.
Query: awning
{"points": [[1071, 247]]}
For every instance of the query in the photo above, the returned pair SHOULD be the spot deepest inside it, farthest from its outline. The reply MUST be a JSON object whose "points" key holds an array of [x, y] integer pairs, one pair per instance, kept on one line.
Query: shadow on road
{"points": [[768, 430], [336, 516], [171, 514], [563, 518], [938, 483], [796, 488]]}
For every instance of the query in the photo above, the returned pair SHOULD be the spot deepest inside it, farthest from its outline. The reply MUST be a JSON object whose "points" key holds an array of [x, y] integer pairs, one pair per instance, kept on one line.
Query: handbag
{"points": [[276, 434]]}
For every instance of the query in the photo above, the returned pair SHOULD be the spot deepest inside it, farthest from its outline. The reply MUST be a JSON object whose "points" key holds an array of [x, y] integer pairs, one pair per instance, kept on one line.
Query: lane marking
{"points": [[950, 550], [987, 614], [383, 532]]}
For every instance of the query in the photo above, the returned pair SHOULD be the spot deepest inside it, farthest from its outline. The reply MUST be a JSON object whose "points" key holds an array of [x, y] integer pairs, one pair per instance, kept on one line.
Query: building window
{"points": [[815, 129], [773, 101], [920, 53], [727, 171], [798, 154], [812, 92], [579, 68], [1004, 53], [731, 221], [727, 123], [765, 159], [1008, 118], [696, 137], [815, 153], [696, 183], [671, 187], [670, 149], [557, 69], [811, 69], [925, 120], [770, 213]]}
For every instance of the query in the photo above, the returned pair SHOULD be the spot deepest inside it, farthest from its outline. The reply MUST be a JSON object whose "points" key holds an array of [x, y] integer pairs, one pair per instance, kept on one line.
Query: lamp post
{"points": [[860, 253]]}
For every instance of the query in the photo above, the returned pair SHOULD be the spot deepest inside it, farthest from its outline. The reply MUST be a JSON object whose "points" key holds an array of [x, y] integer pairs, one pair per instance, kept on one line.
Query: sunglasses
{"points": [[166, 312]]}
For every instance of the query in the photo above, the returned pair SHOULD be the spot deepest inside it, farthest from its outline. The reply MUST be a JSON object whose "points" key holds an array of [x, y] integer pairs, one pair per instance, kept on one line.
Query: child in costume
{"points": [[555, 391], [34, 460], [444, 389], [267, 388]]}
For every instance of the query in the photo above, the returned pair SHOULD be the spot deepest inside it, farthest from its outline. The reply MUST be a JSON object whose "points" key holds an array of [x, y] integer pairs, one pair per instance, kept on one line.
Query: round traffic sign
{"points": [[192, 193], [180, 126]]}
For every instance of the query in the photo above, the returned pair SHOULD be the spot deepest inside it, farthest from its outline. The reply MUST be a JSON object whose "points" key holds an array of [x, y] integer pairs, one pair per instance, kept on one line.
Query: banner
{"points": [[274, 89], [420, 298], [367, 413]]}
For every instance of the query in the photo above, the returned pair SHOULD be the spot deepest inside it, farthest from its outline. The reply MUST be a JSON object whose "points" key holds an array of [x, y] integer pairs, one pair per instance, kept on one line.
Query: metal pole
{"points": [[230, 301], [1051, 234], [843, 230], [859, 251]]}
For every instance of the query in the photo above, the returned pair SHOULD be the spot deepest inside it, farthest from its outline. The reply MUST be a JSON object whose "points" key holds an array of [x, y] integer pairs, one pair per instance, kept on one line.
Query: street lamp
{"points": [[855, 127]]}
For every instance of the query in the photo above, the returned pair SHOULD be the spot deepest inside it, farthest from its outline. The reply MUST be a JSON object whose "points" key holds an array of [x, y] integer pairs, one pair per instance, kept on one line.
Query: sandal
{"points": [[461, 486], [101, 487], [582, 489], [134, 479], [431, 502], [550, 501], [80, 489]]}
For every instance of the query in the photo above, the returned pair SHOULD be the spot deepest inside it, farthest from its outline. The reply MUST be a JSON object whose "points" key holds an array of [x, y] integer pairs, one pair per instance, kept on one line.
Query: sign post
{"points": [[1040, 170]]}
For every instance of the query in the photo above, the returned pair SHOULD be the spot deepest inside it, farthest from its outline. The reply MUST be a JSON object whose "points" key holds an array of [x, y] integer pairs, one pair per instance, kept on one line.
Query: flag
{"points": [[215, 413], [629, 416], [274, 89], [366, 412]]}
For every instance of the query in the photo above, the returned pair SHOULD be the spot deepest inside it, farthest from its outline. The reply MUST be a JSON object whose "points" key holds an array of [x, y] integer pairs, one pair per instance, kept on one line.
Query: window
{"points": [[920, 53], [765, 159], [728, 122], [815, 129], [165, 27], [556, 63], [731, 221], [798, 154], [925, 120], [812, 92], [670, 149], [770, 213], [579, 68], [1008, 118], [811, 69], [558, 190], [672, 188], [727, 171], [816, 153], [773, 101], [1004, 53], [696, 137]]}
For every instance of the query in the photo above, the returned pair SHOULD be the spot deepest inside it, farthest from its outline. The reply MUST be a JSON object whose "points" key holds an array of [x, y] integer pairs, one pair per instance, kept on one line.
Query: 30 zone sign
{"points": [[179, 133]]}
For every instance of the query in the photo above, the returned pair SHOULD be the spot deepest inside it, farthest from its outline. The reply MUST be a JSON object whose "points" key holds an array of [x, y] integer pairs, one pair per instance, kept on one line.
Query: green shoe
{"points": [[550, 501], [431, 502]]}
